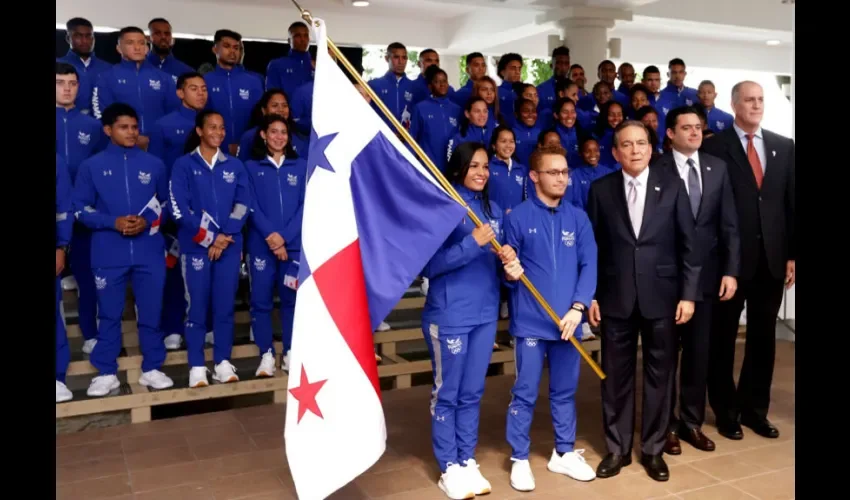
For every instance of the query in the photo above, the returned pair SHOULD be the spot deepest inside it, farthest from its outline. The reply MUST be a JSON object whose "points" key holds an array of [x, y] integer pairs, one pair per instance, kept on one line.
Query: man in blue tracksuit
{"points": [[435, 119], [716, 119], [78, 136], [80, 38], [395, 89], [119, 195], [64, 227], [476, 68], [554, 242], [293, 70], [546, 91], [136, 82], [676, 91], [161, 55], [301, 107], [421, 89], [606, 71], [509, 70], [168, 141], [233, 91]]}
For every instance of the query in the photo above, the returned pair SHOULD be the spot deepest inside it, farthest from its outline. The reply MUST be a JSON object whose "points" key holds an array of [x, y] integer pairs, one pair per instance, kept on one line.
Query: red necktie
{"points": [[755, 162]]}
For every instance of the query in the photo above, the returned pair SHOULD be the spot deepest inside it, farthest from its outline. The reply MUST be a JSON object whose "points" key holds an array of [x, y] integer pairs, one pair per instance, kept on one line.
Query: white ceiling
{"points": [[659, 27]]}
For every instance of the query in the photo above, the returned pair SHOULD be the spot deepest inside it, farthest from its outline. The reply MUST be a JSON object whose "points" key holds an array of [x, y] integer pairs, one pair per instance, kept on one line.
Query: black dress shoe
{"points": [[673, 446], [696, 438], [761, 426], [611, 465], [655, 467], [730, 430]]}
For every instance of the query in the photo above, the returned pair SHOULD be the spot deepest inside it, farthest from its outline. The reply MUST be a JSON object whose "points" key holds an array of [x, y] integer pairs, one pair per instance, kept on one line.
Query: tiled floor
{"points": [[239, 454]]}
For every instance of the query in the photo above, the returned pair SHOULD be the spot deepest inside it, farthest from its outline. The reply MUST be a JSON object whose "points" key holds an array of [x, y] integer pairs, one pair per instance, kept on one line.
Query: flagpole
{"points": [[307, 16]]}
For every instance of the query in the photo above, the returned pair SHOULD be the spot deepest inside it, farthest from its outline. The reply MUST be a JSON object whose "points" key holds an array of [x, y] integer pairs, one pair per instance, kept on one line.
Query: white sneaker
{"points": [[572, 464], [88, 345], [103, 385], [198, 377], [267, 365], [503, 310], [424, 287], [479, 485], [383, 327], [209, 338], [62, 393], [522, 479], [173, 341], [284, 365], [225, 373], [586, 333], [455, 483], [155, 379]]}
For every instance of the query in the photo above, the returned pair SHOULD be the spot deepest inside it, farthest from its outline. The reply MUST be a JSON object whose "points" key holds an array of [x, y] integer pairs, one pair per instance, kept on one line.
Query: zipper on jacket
{"points": [[67, 149], [215, 198], [141, 101], [280, 193], [129, 203], [232, 113]]}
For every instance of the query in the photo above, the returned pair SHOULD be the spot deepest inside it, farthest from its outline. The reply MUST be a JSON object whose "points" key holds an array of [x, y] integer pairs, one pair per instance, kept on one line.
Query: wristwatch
{"points": [[578, 307]]}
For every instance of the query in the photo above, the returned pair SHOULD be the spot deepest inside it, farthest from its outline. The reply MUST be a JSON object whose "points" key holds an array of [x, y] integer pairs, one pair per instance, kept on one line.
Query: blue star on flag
{"points": [[316, 156]]}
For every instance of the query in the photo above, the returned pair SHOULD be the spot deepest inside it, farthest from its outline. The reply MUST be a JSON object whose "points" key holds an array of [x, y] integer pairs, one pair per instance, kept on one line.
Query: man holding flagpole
{"points": [[119, 194], [385, 208]]}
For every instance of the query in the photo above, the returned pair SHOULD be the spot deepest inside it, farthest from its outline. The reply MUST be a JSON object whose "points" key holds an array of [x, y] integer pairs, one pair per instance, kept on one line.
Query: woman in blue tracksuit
{"points": [[459, 323], [610, 115], [273, 102], [435, 119], [473, 125], [210, 198], [277, 177], [565, 124], [526, 129]]}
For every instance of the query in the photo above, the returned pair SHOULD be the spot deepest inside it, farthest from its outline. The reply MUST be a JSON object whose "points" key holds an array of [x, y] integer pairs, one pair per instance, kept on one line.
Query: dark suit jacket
{"points": [[657, 268], [716, 223], [766, 217]]}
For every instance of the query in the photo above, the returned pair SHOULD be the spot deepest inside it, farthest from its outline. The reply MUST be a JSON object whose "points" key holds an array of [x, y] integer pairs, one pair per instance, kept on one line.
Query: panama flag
{"points": [[373, 217]]}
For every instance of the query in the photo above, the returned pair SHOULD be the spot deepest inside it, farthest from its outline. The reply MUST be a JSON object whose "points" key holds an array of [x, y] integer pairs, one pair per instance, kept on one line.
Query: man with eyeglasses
{"points": [[649, 270], [558, 252]]}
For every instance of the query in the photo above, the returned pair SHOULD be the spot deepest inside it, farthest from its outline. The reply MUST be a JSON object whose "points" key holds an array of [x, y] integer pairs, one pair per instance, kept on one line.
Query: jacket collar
{"points": [[187, 113], [113, 148], [132, 65], [532, 193], [69, 113]]}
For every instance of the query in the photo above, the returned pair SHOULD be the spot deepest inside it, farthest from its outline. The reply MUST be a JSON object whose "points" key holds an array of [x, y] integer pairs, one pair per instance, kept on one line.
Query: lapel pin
{"points": [[708, 168], [774, 153], [657, 188]]}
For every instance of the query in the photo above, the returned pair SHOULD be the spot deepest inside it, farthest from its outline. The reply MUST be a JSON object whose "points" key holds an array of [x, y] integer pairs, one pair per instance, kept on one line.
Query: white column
{"points": [[587, 39], [450, 65]]}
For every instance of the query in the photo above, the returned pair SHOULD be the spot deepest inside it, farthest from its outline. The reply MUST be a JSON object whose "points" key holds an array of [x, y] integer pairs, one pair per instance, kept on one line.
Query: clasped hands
{"points": [[277, 246], [130, 225]]}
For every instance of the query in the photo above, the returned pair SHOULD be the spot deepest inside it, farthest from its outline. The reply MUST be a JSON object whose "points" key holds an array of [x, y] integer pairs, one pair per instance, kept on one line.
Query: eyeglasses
{"points": [[555, 173]]}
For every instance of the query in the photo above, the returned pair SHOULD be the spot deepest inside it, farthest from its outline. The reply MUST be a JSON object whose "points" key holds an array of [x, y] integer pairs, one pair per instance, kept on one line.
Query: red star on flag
{"points": [[306, 395]]}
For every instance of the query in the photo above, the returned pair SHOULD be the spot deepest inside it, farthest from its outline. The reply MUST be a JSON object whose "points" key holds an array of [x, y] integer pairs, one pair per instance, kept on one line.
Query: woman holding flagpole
{"points": [[210, 197], [277, 177], [459, 322]]}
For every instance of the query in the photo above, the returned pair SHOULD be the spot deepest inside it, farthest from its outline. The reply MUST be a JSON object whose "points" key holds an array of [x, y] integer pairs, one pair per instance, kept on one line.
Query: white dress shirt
{"points": [[758, 142], [684, 169]]}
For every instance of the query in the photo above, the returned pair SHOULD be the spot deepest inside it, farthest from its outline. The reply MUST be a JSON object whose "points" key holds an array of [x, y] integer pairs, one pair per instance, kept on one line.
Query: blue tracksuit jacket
{"points": [[289, 72], [421, 91], [397, 94], [507, 186], [78, 136], [464, 277], [64, 208], [473, 133], [507, 101], [719, 120], [223, 192], [169, 134], [526, 140], [546, 96], [233, 93], [171, 65], [557, 249], [117, 182], [463, 94], [581, 178], [301, 107], [686, 96], [434, 122], [149, 91], [569, 141], [88, 78], [278, 202]]}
